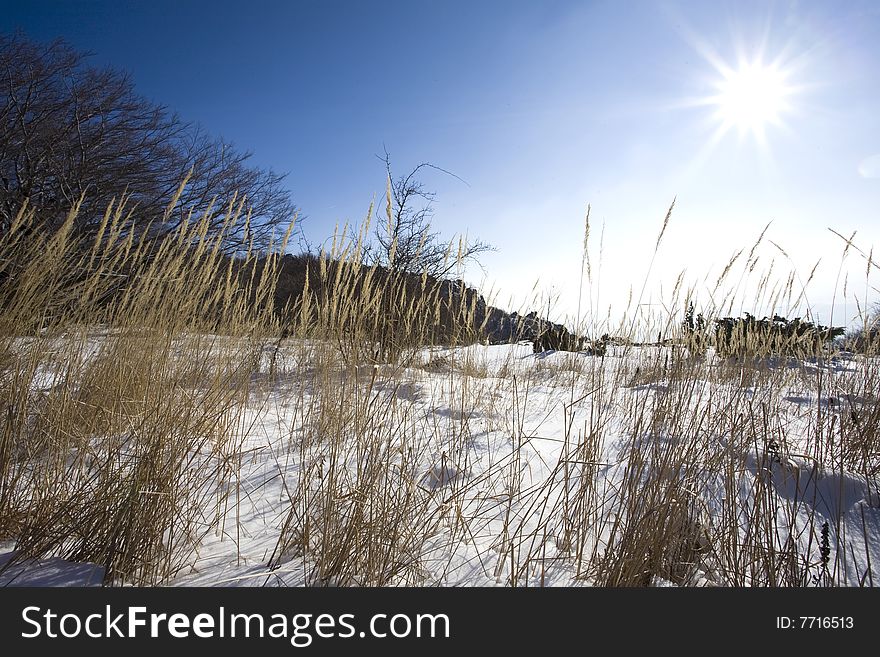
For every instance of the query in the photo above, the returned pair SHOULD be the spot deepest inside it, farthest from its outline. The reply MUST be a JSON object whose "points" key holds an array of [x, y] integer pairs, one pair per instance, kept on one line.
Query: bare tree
{"points": [[404, 241], [70, 131]]}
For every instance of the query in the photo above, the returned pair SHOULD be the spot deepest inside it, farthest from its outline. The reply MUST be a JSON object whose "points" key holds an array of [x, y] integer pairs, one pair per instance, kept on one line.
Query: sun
{"points": [[751, 97]]}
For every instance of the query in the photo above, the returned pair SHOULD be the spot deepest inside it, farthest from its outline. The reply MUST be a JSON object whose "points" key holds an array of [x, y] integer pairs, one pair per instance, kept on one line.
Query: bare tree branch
{"points": [[404, 241], [70, 131]]}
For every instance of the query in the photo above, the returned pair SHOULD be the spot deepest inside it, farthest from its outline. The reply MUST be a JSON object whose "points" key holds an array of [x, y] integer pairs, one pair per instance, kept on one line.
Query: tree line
{"points": [[73, 134]]}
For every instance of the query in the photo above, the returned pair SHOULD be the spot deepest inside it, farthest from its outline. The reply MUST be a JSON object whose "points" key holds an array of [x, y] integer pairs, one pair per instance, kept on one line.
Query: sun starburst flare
{"points": [[751, 97]]}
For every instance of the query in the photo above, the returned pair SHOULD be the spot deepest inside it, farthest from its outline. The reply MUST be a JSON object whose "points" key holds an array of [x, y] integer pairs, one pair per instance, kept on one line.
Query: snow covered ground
{"points": [[494, 466]]}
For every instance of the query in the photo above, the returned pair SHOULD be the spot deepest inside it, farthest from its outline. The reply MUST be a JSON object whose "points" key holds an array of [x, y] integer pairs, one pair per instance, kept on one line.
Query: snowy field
{"points": [[494, 466]]}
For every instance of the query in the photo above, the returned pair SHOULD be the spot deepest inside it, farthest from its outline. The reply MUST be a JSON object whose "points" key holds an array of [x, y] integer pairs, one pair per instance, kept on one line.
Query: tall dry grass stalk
{"points": [[131, 365], [126, 361], [377, 315]]}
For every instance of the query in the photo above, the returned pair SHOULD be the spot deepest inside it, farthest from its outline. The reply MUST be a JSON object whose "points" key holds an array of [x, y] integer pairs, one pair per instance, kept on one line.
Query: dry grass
{"points": [[119, 392], [128, 367]]}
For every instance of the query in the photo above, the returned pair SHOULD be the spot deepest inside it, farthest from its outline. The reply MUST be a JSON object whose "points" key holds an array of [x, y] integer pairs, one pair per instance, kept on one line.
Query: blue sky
{"points": [[542, 108]]}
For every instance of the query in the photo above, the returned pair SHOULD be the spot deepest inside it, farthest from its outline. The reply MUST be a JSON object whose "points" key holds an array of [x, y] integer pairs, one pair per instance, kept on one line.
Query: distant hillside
{"points": [[458, 302]]}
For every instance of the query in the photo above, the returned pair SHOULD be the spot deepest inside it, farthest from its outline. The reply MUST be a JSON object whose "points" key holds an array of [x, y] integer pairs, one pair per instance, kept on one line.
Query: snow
{"points": [[48, 572], [488, 433]]}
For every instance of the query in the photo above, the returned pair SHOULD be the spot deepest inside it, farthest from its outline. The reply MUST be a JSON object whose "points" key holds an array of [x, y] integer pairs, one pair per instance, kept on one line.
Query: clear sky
{"points": [[746, 112]]}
